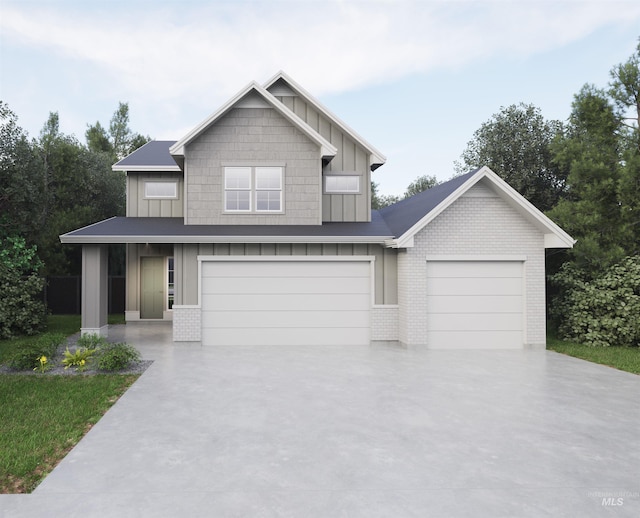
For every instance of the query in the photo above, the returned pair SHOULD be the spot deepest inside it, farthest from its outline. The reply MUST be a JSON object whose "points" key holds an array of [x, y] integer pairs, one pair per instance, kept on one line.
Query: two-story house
{"points": [[256, 228]]}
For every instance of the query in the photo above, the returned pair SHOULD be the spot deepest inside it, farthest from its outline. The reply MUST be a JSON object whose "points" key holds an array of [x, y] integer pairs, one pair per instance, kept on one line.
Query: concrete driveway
{"points": [[353, 432]]}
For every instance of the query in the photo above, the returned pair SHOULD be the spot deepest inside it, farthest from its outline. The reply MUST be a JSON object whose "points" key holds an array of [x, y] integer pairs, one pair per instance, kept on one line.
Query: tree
{"points": [[515, 144], [422, 183], [379, 201], [591, 152], [119, 141], [21, 182], [624, 89], [80, 189], [21, 308]]}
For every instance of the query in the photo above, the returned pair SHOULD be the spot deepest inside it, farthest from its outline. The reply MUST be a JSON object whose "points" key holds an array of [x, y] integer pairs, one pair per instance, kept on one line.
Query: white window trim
{"points": [[161, 197], [236, 189], [253, 190], [342, 191]]}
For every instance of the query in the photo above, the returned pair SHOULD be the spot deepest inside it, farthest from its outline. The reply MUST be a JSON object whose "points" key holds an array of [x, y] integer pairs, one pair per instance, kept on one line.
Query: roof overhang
{"points": [[131, 239], [172, 230], [327, 150], [554, 236], [376, 159], [147, 169]]}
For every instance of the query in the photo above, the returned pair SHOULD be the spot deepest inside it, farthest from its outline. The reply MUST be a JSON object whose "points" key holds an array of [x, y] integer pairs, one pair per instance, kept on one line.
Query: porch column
{"points": [[94, 290]]}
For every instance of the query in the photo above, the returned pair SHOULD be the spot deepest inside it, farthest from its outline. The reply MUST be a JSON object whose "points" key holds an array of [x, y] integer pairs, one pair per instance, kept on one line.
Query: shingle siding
{"points": [[479, 223], [253, 136]]}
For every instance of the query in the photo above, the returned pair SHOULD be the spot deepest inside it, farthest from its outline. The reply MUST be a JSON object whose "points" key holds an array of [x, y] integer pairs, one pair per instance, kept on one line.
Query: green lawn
{"points": [[42, 416], [622, 358]]}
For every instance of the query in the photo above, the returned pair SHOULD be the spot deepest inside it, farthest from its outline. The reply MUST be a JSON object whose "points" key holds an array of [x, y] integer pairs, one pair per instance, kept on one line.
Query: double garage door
{"points": [[301, 302], [475, 304]]}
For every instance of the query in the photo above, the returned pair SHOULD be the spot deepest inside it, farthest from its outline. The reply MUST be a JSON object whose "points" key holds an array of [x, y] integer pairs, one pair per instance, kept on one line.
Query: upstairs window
{"points": [[342, 184], [161, 190], [268, 189], [237, 189], [253, 189]]}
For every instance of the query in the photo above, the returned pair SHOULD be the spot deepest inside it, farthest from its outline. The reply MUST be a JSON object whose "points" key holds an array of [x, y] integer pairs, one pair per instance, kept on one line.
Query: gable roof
{"points": [[253, 92], [407, 217], [376, 158], [153, 156], [403, 215]]}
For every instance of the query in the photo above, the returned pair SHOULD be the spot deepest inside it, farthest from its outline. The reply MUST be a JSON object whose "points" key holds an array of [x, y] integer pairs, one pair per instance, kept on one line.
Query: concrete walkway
{"points": [[376, 431]]}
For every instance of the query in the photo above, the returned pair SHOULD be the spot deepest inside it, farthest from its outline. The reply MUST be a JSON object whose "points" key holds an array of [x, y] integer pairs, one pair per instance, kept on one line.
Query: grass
{"points": [[43, 417], [622, 358]]}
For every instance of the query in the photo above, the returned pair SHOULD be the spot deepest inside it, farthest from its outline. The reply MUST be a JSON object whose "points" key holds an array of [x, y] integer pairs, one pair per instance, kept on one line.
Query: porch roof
{"points": [[173, 230]]}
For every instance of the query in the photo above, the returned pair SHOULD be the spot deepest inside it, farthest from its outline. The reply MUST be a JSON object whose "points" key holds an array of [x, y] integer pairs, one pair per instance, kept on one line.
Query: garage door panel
{"points": [[295, 336], [284, 269], [284, 319], [294, 302], [475, 269], [293, 285], [476, 303], [477, 322], [313, 302], [479, 286], [475, 339]]}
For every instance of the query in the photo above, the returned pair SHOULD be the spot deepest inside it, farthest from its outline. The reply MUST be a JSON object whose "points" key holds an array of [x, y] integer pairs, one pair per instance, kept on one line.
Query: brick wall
{"points": [[384, 323], [479, 223], [186, 324]]}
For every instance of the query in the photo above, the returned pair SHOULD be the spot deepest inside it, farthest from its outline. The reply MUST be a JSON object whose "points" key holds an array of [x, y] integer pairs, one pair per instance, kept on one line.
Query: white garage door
{"points": [[475, 304], [286, 302]]}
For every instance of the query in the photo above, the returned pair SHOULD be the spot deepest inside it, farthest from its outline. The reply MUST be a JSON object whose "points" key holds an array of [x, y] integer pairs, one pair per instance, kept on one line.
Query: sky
{"points": [[414, 78]]}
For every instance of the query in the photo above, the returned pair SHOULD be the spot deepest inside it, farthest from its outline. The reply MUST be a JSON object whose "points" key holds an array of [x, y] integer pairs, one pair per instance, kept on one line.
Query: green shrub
{"points": [[604, 311], [80, 358], [22, 311], [116, 356], [92, 341], [28, 357]]}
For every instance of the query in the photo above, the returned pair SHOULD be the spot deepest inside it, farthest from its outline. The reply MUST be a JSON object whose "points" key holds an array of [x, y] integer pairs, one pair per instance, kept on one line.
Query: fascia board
{"points": [[147, 168], [561, 238], [64, 238], [327, 149], [376, 157], [406, 240], [71, 239], [178, 148]]}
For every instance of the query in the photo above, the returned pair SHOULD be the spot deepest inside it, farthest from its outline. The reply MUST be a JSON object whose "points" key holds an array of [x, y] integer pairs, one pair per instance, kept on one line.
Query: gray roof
{"points": [[388, 223], [403, 215], [140, 230], [154, 154]]}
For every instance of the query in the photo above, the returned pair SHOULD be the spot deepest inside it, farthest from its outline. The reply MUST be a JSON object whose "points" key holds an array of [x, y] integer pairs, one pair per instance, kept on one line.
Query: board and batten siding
{"points": [[140, 207], [253, 137], [351, 157], [186, 263]]}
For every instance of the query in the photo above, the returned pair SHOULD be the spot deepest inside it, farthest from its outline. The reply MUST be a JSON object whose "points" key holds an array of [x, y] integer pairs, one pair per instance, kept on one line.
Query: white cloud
{"points": [[193, 49]]}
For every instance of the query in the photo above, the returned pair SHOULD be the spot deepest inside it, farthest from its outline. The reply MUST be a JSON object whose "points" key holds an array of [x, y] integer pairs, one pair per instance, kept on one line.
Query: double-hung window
{"points": [[237, 189], [253, 189]]}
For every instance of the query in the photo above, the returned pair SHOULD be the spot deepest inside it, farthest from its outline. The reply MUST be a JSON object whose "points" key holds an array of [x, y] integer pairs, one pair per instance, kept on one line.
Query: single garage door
{"points": [[286, 302], [475, 304]]}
